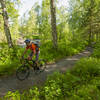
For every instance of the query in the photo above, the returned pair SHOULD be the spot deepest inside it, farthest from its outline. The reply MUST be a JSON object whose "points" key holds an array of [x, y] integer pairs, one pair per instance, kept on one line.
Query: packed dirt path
{"points": [[11, 83]]}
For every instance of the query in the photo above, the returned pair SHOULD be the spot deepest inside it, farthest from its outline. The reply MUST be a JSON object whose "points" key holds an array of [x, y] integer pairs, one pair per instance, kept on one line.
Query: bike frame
{"points": [[26, 61]]}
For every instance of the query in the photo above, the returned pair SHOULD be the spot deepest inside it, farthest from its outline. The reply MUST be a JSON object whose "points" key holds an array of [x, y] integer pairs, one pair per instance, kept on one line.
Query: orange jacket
{"points": [[32, 47]]}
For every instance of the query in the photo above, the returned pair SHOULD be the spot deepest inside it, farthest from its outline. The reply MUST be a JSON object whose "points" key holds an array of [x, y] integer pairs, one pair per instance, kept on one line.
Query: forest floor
{"points": [[11, 83]]}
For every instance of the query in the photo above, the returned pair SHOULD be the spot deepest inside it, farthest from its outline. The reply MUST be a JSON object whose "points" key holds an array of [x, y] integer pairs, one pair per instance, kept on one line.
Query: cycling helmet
{"points": [[27, 41]]}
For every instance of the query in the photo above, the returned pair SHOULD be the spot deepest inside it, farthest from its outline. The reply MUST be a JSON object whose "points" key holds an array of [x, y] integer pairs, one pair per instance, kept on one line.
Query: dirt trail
{"points": [[11, 83]]}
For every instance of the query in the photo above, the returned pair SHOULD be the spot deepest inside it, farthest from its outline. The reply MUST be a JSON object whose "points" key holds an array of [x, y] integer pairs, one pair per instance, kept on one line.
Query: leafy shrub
{"points": [[96, 52], [86, 92], [32, 94], [9, 59], [12, 96], [78, 43], [50, 54], [80, 83], [87, 68]]}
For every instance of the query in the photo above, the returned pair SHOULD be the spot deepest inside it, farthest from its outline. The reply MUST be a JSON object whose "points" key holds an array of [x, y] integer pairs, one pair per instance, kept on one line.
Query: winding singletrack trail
{"points": [[11, 83]]}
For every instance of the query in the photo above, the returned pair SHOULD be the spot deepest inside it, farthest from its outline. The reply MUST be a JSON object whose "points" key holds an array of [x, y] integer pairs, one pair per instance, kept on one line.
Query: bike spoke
{"points": [[22, 72]]}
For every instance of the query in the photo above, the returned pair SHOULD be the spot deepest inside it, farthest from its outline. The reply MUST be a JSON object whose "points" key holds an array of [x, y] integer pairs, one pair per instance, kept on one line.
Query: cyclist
{"points": [[34, 50]]}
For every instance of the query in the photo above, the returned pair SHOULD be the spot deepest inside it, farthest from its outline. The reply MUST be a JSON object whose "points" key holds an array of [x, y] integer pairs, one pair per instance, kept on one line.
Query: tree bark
{"points": [[91, 34], [53, 23], [6, 25]]}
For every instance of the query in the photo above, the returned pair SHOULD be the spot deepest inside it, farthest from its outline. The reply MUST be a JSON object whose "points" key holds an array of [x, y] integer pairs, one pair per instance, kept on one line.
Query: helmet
{"points": [[27, 41]]}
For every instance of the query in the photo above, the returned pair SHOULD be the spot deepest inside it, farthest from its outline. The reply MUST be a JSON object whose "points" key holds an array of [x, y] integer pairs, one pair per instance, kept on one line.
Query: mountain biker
{"points": [[34, 50]]}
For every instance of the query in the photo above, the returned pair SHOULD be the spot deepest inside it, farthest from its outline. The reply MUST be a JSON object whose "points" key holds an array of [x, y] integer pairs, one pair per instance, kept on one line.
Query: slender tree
{"points": [[53, 23], [6, 24]]}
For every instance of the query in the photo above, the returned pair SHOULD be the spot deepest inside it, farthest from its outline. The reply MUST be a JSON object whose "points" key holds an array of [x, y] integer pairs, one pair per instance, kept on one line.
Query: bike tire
{"points": [[42, 65], [22, 72]]}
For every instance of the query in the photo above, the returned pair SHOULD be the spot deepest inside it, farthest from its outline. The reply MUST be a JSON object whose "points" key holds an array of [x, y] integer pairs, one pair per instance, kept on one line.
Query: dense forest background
{"points": [[62, 31], [80, 18]]}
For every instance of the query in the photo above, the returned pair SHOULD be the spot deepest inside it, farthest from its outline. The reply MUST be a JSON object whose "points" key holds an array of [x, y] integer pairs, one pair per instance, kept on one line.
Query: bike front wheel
{"points": [[22, 72]]}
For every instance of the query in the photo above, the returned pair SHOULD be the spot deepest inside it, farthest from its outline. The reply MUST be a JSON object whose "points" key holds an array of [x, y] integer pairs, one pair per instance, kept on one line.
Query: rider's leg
{"points": [[31, 55], [37, 57]]}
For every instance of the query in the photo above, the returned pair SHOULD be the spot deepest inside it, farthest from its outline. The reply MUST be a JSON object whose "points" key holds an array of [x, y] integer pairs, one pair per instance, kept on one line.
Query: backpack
{"points": [[37, 45]]}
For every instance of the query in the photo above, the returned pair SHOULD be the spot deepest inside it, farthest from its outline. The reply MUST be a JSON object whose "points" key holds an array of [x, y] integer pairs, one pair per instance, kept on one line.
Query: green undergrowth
{"points": [[80, 83], [96, 52], [10, 58]]}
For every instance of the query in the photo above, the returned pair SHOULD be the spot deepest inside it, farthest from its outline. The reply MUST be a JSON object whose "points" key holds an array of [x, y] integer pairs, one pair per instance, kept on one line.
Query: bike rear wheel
{"points": [[22, 72], [42, 65]]}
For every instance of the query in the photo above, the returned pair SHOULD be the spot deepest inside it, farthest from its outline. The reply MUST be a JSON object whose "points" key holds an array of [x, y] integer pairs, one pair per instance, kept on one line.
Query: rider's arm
{"points": [[24, 52]]}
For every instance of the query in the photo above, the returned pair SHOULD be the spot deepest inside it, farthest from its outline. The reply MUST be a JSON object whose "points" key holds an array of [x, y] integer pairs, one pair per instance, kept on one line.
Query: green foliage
{"points": [[36, 37], [9, 57], [12, 96], [66, 49], [83, 16], [53, 91], [32, 94], [96, 52], [87, 68], [60, 86], [80, 83], [86, 92], [50, 54], [77, 84], [28, 27], [78, 43], [7, 61]]}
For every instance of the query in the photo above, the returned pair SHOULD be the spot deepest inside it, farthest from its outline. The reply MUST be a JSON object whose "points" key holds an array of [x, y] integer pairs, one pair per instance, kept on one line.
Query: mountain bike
{"points": [[23, 70]]}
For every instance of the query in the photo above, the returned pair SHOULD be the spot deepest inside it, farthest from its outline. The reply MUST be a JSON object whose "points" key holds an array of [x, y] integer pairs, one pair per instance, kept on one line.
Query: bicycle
{"points": [[24, 70]]}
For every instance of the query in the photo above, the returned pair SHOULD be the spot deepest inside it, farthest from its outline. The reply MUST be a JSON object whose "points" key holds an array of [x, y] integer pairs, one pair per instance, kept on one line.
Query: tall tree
{"points": [[53, 22], [6, 25]]}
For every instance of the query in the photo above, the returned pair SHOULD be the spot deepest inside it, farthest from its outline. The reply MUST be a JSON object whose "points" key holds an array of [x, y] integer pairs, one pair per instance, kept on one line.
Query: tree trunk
{"points": [[91, 34], [53, 23], [6, 26]]}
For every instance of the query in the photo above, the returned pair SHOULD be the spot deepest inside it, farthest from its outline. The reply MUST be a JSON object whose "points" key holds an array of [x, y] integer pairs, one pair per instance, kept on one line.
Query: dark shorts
{"points": [[37, 55]]}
